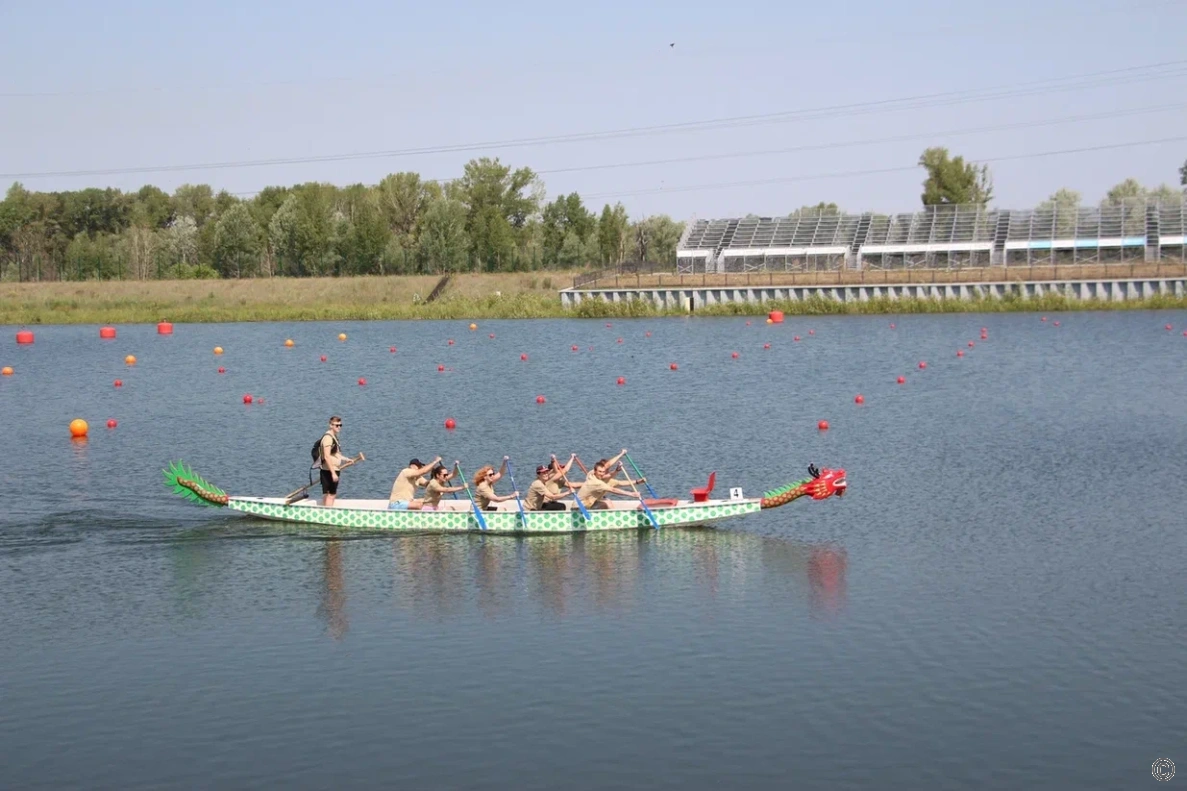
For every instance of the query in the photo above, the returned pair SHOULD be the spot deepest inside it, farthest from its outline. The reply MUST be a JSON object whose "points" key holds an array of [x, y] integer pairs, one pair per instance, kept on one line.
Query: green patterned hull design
{"points": [[502, 522]]}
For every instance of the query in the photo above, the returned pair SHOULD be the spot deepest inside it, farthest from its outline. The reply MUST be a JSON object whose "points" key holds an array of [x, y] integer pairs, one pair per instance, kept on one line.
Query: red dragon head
{"points": [[826, 483]]}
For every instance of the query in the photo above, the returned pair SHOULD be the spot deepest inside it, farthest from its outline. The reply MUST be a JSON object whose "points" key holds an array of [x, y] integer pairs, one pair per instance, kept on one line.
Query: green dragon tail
{"points": [[185, 482]]}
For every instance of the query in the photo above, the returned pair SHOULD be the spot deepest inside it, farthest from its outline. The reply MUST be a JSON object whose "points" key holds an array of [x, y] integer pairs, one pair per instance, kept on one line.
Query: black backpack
{"points": [[316, 451]]}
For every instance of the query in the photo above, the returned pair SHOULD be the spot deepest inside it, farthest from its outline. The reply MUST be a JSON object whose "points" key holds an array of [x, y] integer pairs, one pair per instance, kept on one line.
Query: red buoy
{"points": [[523, 358], [111, 423], [362, 381], [811, 332], [902, 380], [608, 325], [822, 425], [391, 349], [492, 335], [776, 316], [450, 424], [1043, 319], [222, 370], [734, 355], [323, 358], [540, 399], [747, 323], [119, 382], [1169, 327], [796, 338], [247, 399], [648, 333], [673, 366], [574, 348], [107, 333], [767, 345], [440, 368], [971, 344], [24, 336], [984, 330], [620, 340], [164, 328], [960, 352], [622, 380], [892, 325], [859, 399], [922, 364], [1056, 323]]}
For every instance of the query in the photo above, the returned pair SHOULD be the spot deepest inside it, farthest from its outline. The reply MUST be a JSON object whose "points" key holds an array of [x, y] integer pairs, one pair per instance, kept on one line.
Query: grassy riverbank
{"points": [[503, 296]]}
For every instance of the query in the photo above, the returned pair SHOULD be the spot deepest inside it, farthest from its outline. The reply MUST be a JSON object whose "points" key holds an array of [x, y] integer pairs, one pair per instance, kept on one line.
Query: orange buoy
{"points": [[734, 355], [119, 383], [78, 427], [523, 358], [24, 336], [111, 423], [342, 336], [218, 350], [7, 371], [859, 399], [822, 425], [289, 343], [130, 359], [622, 380], [902, 380], [247, 398], [164, 328], [362, 381], [673, 366], [440, 368], [222, 370], [922, 364], [770, 321], [473, 327], [540, 399], [107, 333], [450, 423], [775, 317]]}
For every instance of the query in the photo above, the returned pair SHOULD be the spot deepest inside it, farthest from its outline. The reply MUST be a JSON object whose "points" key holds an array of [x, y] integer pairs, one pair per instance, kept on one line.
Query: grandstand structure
{"points": [[939, 237]]}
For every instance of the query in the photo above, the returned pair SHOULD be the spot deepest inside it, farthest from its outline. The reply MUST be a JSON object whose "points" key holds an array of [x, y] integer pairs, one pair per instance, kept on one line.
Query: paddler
{"points": [[330, 461], [601, 482], [484, 483], [544, 493], [437, 486], [403, 494]]}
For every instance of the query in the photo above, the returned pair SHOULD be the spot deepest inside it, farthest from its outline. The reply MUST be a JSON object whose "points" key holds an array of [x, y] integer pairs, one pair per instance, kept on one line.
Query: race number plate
{"points": [[736, 493]]}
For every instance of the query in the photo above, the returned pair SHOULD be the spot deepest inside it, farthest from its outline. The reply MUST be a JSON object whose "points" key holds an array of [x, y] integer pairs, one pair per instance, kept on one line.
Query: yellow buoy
{"points": [[473, 326], [770, 321], [218, 350], [130, 359], [289, 342], [6, 371], [78, 427], [342, 336]]}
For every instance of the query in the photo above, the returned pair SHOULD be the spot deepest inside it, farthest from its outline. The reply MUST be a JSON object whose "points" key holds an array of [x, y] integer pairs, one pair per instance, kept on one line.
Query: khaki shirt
{"points": [[483, 494], [535, 497], [593, 490], [404, 487], [433, 493]]}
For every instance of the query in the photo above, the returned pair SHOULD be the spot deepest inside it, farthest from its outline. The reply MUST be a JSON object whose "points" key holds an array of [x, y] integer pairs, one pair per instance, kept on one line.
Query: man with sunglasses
{"points": [[330, 462]]}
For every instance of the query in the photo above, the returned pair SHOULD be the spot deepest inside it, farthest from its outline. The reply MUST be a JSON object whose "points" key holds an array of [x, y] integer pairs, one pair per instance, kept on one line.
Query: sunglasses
{"points": [[335, 425]]}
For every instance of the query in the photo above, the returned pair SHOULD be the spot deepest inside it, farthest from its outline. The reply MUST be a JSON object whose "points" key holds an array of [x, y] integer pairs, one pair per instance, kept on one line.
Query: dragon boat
{"points": [[461, 516]]}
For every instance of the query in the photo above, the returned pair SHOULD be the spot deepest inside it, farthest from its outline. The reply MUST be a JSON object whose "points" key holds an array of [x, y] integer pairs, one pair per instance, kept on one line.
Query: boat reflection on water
{"points": [[438, 577]]}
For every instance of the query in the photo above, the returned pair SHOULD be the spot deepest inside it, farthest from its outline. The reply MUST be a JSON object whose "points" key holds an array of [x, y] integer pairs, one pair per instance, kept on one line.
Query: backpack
{"points": [[315, 452]]}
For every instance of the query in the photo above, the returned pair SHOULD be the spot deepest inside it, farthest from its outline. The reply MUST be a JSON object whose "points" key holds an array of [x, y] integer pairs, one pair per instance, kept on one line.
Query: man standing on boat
{"points": [[330, 461]]}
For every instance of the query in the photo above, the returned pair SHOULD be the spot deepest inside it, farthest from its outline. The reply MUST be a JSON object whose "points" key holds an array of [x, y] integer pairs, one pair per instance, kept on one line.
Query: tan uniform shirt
{"points": [[404, 487], [593, 490], [483, 494], [433, 493]]}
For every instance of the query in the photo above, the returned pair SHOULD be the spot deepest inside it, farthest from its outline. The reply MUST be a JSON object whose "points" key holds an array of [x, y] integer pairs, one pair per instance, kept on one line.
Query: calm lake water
{"points": [[998, 601]]}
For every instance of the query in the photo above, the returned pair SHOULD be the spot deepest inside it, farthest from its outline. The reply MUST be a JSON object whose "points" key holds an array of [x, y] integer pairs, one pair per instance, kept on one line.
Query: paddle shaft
{"points": [[308, 486], [643, 505], [580, 505], [474, 505], [511, 475], [639, 474]]}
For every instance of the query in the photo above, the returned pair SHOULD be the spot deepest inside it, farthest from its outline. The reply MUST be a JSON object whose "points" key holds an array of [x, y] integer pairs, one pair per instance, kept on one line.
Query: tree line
{"points": [[492, 219]]}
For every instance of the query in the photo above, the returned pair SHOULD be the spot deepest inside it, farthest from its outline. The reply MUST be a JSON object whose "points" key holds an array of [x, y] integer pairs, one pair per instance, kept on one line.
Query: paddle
{"points": [[643, 505], [297, 494], [580, 505], [639, 474], [481, 521], [511, 475]]}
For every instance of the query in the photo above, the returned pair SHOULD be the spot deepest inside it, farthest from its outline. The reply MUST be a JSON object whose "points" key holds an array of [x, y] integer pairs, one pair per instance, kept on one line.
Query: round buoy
{"points": [[78, 427], [392, 349], [450, 423], [673, 366], [770, 321], [164, 328], [118, 383], [540, 399], [767, 345], [289, 343], [573, 348], [218, 350], [449, 342], [822, 425], [796, 338], [609, 325], [1185, 333], [130, 359], [1043, 319], [984, 330], [523, 358], [222, 370], [734, 355], [960, 352], [473, 327], [1056, 323], [107, 333], [971, 344], [362, 381], [775, 317], [922, 364], [440, 368], [648, 333], [247, 399], [1169, 327], [7, 371], [620, 340], [859, 399], [811, 332], [622, 380], [902, 380], [747, 323], [342, 336], [323, 358], [24, 336], [491, 336], [892, 325], [111, 423]]}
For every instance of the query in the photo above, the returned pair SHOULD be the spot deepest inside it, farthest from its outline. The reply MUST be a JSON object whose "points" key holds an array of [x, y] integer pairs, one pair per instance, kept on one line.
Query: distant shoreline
{"points": [[519, 295]]}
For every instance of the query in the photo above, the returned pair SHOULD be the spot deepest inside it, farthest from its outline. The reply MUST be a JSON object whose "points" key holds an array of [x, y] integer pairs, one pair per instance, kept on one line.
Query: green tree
{"points": [[302, 232], [563, 217], [151, 208], [819, 208], [363, 234], [499, 203], [1183, 174], [196, 201], [613, 233], [1128, 191], [953, 181], [656, 238], [1165, 193], [1063, 210], [443, 243], [237, 243]]}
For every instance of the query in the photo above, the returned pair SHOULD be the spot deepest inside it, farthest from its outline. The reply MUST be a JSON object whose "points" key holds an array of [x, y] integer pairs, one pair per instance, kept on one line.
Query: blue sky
{"points": [[100, 86]]}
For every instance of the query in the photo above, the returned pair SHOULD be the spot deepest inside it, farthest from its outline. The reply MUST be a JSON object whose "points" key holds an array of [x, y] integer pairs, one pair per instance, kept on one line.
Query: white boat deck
{"points": [[508, 506]]}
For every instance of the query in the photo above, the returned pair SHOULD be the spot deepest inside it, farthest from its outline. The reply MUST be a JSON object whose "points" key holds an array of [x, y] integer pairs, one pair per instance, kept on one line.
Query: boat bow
{"points": [[822, 485]]}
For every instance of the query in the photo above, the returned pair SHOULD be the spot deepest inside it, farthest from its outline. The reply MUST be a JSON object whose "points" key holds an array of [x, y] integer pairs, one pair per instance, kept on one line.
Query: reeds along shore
{"points": [[503, 296]]}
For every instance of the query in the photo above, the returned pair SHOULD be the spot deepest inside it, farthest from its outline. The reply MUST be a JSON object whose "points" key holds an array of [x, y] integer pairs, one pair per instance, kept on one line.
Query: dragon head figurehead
{"points": [[822, 485]]}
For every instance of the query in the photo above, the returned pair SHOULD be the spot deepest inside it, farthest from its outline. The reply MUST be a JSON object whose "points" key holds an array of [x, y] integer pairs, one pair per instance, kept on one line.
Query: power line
{"points": [[1156, 71], [876, 171]]}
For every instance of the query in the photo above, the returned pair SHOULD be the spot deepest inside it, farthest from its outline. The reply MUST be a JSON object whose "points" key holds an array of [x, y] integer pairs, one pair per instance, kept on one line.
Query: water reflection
{"points": [[333, 604]]}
